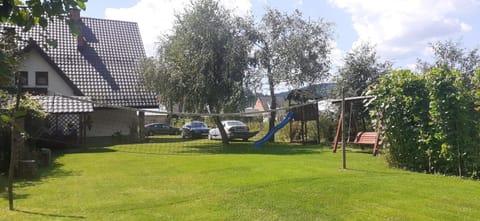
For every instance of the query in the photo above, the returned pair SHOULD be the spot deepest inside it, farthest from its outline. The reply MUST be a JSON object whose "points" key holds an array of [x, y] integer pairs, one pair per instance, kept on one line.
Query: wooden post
{"points": [[318, 123], [344, 154], [290, 123], [337, 134], [377, 137], [350, 105]]}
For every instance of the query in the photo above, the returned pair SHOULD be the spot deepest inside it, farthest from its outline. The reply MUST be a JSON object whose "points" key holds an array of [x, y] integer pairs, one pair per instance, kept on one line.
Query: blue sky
{"points": [[401, 29]]}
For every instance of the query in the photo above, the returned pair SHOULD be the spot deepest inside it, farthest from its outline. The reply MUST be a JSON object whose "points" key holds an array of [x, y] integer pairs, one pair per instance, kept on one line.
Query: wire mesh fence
{"points": [[153, 131]]}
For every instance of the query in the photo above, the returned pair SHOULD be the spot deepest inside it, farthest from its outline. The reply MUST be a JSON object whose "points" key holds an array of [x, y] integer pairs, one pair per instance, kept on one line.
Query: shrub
{"points": [[429, 122]]}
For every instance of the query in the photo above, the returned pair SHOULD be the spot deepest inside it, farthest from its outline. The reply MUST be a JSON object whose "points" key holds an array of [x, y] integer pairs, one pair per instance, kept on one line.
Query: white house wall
{"points": [[34, 62], [106, 122]]}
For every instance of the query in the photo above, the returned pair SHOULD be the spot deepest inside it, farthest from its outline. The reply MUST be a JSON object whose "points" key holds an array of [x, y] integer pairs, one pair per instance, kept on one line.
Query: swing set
{"points": [[362, 137]]}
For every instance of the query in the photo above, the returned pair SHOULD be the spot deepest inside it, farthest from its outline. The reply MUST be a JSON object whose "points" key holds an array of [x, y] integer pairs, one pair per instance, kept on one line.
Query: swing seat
{"points": [[372, 138], [367, 138]]}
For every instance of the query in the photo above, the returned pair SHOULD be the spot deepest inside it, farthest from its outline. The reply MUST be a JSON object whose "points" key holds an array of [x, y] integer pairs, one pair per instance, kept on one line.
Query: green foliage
{"points": [[26, 14], [429, 122], [9, 56], [454, 122], [328, 125], [292, 50], [403, 100], [451, 55], [477, 89], [202, 63], [361, 68], [28, 108]]}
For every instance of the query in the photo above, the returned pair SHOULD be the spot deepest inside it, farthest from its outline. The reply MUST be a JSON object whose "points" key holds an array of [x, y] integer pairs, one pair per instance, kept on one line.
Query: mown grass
{"points": [[205, 181]]}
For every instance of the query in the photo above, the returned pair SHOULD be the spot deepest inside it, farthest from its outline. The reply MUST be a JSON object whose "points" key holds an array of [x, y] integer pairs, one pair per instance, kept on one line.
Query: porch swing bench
{"points": [[369, 138]]}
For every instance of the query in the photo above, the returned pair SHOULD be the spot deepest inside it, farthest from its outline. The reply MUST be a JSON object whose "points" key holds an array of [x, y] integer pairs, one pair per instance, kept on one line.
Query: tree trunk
{"points": [[220, 127], [273, 105], [13, 143]]}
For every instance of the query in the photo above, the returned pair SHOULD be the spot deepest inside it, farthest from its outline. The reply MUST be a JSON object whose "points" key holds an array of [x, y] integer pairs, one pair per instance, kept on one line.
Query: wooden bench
{"points": [[372, 138]]}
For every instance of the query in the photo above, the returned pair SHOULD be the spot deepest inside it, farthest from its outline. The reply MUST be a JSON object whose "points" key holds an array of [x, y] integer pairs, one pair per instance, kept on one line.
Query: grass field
{"points": [[205, 181]]}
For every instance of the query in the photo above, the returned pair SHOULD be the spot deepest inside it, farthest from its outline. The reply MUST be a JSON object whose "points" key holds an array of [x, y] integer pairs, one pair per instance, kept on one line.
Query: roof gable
{"points": [[106, 66], [33, 46]]}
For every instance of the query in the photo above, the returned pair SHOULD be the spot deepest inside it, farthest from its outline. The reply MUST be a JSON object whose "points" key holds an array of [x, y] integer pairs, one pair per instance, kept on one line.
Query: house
{"points": [[83, 80], [263, 103]]}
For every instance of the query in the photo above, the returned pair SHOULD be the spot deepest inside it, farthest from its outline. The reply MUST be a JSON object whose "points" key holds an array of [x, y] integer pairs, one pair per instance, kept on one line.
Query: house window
{"points": [[41, 78], [23, 75]]}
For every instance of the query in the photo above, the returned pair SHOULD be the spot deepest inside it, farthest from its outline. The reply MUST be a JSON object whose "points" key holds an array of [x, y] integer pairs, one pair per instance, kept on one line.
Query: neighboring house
{"points": [[100, 65], [263, 103]]}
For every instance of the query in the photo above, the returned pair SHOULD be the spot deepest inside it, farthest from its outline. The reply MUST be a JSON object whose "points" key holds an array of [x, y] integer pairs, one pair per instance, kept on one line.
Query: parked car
{"points": [[235, 130], [195, 129], [159, 128]]}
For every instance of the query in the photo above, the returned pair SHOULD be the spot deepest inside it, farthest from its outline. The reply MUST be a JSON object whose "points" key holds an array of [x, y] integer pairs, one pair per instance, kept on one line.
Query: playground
{"points": [[279, 181]]}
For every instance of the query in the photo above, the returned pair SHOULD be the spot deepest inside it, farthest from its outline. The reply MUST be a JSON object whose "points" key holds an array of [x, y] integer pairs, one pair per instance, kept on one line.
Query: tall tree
{"points": [[449, 54], [202, 63], [292, 50], [361, 68]]}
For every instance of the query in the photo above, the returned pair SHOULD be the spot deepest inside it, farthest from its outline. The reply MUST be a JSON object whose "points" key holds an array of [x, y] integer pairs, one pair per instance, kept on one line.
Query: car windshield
{"points": [[235, 123], [198, 124]]}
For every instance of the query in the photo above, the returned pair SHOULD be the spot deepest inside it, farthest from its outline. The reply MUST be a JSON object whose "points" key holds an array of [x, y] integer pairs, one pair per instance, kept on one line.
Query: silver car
{"points": [[235, 130]]}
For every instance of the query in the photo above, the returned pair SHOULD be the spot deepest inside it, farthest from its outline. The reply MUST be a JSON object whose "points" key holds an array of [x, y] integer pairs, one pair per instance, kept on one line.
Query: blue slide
{"points": [[259, 143]]}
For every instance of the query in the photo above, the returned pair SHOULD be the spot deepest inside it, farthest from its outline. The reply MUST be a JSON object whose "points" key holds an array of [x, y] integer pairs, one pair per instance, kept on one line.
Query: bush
{"points": [[430, 122]]}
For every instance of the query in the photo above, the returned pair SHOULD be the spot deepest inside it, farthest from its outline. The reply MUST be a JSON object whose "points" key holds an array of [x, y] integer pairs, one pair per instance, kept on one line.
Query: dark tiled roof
{"points": [[106, 67], [57, 104]]}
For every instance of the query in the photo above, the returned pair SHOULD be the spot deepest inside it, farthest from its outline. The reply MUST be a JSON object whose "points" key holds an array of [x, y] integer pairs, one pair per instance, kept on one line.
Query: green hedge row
{"points": [[430, 122]]}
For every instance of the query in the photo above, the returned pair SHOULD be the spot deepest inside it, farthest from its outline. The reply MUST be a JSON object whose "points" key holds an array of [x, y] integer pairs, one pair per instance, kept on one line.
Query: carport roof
{"points": [[57, 104]]}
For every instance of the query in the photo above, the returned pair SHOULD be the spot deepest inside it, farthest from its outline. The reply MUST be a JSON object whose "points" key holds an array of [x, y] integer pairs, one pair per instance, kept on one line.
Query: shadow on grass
{"points": [[50, 214], [16, 196], [53, 171]]}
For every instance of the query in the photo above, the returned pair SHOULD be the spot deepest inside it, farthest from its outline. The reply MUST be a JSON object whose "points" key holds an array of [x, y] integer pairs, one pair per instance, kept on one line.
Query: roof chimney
{"points": [[77, 26]]}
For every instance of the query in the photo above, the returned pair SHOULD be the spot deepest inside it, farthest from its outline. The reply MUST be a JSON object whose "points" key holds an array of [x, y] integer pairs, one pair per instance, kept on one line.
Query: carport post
{"points": [[141, 123]]}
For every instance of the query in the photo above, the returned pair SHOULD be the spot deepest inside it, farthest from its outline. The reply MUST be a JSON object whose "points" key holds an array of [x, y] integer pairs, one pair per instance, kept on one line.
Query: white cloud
{"points": [[298, 2], [337, 56], [156, 17], [403, 28]]}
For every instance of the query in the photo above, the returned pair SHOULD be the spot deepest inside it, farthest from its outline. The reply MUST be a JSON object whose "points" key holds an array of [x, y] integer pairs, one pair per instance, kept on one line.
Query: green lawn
{"points": [[205, 181]]}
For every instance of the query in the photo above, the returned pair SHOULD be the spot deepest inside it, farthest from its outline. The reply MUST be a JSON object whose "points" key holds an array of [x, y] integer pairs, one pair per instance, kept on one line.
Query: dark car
{"points": [[195, 129], [159, 128]]}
